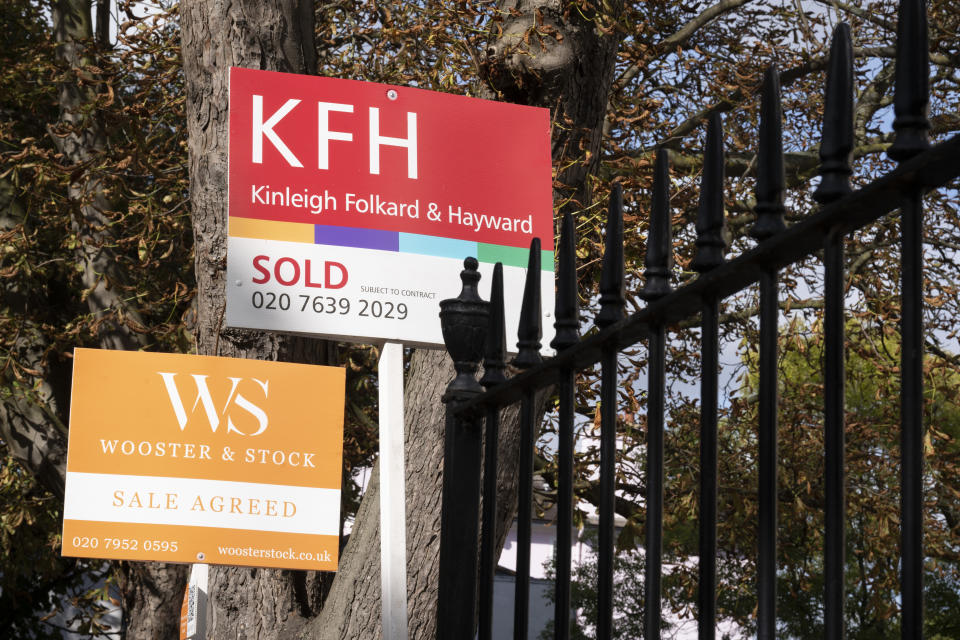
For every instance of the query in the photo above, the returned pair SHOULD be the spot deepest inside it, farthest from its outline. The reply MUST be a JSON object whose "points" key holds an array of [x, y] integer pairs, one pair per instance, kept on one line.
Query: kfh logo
{"points": [[209, 407]]}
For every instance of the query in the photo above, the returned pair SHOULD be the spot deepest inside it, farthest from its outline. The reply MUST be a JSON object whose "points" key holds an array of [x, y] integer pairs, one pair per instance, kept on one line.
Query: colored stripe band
{"points": [[358, 238], [270, 230], [384, 241]]}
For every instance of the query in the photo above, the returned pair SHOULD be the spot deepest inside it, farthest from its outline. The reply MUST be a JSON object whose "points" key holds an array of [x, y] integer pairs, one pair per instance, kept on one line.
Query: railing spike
{"points": [[611, 275], [711, 244], [912, 88], [529, 331], [659, 259], [837, 144], [495, 354], [770, 173], [566, 311]]}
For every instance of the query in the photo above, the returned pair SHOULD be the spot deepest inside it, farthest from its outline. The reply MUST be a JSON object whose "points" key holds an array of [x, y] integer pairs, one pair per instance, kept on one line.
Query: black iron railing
{"points": [[921, 168]]}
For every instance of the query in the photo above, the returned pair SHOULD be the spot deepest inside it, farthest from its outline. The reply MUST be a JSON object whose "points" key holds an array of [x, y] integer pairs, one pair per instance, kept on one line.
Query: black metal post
{"points": [[835, 169], [710, 364], [464, 323], [659, 260], [911, 417], [656, 390], [494, 363], [710, 250], [566, 324], [611, 311], [911, 101], [767, 452], [521, 600], [528, 345], [833, 436], [770, 210]]}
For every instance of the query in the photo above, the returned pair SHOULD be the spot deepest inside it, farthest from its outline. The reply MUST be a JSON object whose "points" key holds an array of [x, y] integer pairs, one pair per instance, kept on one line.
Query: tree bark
{"points": [[574, 81], [560, 56], [353, 608], [274, 35]]}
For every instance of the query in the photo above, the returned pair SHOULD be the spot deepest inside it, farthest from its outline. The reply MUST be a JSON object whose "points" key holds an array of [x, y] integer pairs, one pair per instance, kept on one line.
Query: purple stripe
{"points": [[360, 238]]}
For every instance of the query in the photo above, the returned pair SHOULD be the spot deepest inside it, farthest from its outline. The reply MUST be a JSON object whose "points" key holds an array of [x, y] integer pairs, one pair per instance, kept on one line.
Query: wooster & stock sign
{"points": [[180, 458]]}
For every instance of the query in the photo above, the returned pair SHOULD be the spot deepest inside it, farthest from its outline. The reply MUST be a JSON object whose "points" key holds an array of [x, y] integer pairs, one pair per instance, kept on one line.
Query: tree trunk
{"points": [[569, 72], [260, 603], [353, 607], [272, 35], [574, 82]]}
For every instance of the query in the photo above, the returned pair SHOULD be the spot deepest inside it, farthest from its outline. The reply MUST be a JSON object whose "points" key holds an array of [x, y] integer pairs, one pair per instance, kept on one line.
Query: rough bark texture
{"points": [[273, 35], [353, 608], [152, 595], [573, 80], [560, 56]]}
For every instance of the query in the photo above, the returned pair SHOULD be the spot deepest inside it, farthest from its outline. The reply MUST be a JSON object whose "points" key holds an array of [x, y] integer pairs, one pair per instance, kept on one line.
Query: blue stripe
{"points": [[434, 246]]}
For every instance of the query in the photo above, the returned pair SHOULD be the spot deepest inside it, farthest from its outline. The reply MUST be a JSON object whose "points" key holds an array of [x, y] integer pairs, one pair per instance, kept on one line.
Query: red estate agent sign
{"points": [[353, 204]]}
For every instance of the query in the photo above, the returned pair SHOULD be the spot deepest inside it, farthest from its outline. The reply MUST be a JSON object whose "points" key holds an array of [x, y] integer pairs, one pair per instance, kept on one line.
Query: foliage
{"points": [[872, 580], [628, 600], [34, 579], [138, 95], [872, 454], [676, 62]]}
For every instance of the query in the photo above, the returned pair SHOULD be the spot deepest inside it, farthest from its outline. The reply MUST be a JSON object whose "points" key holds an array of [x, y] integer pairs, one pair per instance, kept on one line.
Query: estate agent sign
{"points": [[353, 204], [179, 458]]}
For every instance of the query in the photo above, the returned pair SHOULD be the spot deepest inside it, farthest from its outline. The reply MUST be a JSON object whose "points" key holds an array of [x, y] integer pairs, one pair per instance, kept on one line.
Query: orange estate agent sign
{"points": [[180, 458]]}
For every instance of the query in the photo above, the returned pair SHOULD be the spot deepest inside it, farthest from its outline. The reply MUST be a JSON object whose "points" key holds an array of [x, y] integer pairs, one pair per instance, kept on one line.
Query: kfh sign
{"points": [[353, 204], [180, 458]]}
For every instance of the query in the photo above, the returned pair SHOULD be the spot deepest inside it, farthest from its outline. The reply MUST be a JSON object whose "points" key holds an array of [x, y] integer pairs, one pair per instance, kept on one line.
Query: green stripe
{"points": [[512, 256]]}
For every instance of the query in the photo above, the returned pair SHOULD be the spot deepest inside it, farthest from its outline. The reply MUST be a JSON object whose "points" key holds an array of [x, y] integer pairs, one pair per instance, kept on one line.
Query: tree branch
{"points": [[709, 14], [874, 96], [861, 13], [683, 34]]}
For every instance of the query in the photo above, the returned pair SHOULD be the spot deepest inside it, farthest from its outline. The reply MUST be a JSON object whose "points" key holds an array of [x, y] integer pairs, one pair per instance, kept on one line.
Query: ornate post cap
{"points": [[463, 321]]}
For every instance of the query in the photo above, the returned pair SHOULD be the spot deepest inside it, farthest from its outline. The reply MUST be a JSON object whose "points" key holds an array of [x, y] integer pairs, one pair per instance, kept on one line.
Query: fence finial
{"points": [[611, 274], [770, 174], [566, 311], [711, 244], [495, 354], [463, 321], [660, 238], [529, 331], [912, 87], [837, 144]]}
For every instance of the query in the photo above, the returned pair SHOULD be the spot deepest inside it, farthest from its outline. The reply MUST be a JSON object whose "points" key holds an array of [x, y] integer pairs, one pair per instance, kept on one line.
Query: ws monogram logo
{"points": [[204, 397]]}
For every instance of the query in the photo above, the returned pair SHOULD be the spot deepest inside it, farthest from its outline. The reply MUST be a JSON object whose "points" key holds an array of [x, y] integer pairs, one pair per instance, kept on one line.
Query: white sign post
{"points": [[393, 532], [194, 626]]}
